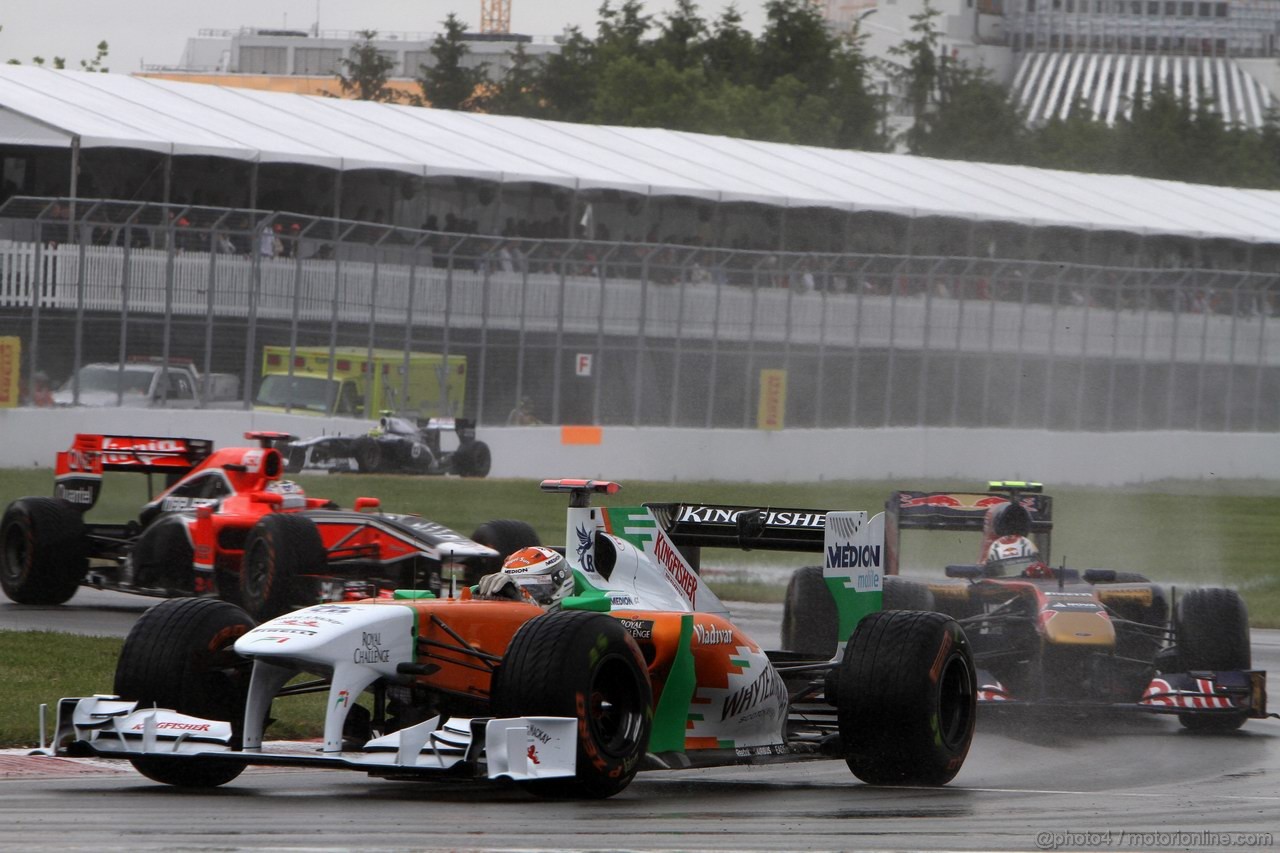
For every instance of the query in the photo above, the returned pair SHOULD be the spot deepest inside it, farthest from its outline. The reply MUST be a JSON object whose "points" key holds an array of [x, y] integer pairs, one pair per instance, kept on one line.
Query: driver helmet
{"points": [[1010, 556], [540, 572]]}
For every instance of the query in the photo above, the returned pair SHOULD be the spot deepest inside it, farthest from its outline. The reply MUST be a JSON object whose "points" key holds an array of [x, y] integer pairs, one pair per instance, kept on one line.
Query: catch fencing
{"points": [[651, 334]]}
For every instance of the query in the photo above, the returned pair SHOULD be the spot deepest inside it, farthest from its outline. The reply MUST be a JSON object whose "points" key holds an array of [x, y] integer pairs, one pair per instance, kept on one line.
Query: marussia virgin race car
{"points": [[639, 668], [227, 524], [396, 446], [1059, 637]]}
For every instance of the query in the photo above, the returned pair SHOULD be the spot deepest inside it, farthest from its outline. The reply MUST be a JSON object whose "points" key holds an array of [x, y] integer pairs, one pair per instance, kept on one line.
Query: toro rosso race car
{"points": [[639, 668], [1061, 637], [227, 524], [396, 446]]}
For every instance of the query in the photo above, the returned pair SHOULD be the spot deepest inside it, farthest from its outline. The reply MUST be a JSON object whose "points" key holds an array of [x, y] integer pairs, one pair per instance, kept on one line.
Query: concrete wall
{"points": [[31, 437]]}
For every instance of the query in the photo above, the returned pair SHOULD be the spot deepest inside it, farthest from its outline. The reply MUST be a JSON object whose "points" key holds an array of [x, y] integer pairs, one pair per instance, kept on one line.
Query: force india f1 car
{"points": [[227, 524], [1058, 637], [397, 446], [640, 668]]}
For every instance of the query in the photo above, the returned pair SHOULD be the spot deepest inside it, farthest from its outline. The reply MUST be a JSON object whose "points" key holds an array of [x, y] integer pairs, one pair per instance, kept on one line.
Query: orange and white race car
{"points": [[641, 667]]}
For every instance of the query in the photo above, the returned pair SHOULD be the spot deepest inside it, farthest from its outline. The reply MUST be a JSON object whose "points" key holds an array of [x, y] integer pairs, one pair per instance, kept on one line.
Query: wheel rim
{"points": [[14, 562], [615, 712], [955, 703], [254, 570]]}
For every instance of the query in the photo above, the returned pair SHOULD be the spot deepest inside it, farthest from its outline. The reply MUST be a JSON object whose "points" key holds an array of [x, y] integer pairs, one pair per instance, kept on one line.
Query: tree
{"points": [[681, 37], [364, 74], [516, 94], [917, 72], [60, 62], [448, 84], [566, 86]]}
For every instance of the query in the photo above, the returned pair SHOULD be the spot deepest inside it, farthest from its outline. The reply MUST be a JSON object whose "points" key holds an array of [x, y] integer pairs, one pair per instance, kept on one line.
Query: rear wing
{"points": [[79, 470], [693, 527], [962, 511]]}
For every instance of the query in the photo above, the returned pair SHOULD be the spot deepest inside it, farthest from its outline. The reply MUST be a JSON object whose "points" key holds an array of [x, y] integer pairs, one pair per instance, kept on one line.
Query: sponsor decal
{"points": [[680, 575], [853, 556], [275, 630], [300, 623], [619, 599], [767, 749], [640, 629], [344, 698], [539, 734], [712, 635], [371, 650], [181, 504], [773, 518], [330, 608], [1161, 692], [586, 542], [173, 726], [767, 685], [533, 754], [74, 494], [122, 451]]}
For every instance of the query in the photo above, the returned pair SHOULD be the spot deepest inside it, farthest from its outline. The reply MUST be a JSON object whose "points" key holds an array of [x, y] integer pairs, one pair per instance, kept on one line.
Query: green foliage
{"points": [[364, 74], [60, 63], [516, 93], [448, 84]]}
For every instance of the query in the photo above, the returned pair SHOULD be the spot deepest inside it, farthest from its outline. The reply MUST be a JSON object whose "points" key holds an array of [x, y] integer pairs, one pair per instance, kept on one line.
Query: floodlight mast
{"points": [[495, 16]]}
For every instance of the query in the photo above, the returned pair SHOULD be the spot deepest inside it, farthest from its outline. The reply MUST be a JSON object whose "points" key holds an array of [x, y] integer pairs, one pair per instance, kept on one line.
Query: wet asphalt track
{"points": [[1133, 783]]}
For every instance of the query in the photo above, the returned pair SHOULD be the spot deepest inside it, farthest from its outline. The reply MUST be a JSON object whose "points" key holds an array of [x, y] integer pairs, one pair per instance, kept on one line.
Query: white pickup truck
{"points": [[147, 382]]}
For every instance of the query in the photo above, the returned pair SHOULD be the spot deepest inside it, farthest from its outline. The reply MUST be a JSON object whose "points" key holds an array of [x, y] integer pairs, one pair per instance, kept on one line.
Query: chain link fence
{"points": [[575, 331]]}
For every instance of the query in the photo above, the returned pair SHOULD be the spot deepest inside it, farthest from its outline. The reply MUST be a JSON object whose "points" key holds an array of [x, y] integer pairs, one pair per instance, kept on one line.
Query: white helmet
{"points": [[1010, 556], [540, 572]]}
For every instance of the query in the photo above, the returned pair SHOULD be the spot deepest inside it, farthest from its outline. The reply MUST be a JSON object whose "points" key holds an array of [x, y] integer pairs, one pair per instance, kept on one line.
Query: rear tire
{"points": [[280, 548], [810, 621], [43, 551], [180, 655], [906, 594], [506, 536], [164, 557], [1211, 629], [473, 459], [572, 663], [906, 698]]}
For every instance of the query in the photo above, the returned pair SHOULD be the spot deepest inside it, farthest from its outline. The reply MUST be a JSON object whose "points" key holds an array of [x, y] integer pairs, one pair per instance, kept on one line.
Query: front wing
{"points": [[1168, 693], [516, 748]]}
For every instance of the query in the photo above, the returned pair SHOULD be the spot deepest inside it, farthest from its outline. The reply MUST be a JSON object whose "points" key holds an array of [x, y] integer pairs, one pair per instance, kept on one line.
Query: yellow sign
{"points": [[10, 368], [772, 413]]}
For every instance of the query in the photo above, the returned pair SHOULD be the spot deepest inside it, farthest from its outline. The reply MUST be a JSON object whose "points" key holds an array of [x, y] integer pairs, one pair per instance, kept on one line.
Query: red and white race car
{"points": [[227, 524]]}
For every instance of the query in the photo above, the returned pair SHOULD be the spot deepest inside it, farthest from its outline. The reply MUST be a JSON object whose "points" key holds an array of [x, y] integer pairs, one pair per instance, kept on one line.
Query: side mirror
{"points": [[367, 503]]}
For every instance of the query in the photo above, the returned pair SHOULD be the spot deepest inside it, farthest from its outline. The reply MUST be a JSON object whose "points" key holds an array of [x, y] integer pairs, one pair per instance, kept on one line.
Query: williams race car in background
{"points": [[226, 523], [1057, 636], [396, 446], [640, 668]]}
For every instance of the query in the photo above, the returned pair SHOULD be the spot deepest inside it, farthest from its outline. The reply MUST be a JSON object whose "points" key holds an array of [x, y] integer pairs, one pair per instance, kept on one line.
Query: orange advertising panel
{"points": [[773, 400], [10, 368]]}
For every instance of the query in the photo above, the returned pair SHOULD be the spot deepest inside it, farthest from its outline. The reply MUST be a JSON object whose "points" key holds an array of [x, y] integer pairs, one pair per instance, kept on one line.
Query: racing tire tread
{"points": [[1211, 629], [293, 548], [179, 655], [906, 698], [43, 550], [551, 662], [506, 535]]}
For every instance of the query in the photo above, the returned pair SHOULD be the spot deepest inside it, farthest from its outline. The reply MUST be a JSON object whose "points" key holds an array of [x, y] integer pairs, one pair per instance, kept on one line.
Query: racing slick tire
{"points": [[179, 655], [810, 622], [43, 551], [368, 455], [506, 535], [280, 548], [573, 663], [906, 594], [473, 459], [906, 693], [164, 557], [1211, 629]]}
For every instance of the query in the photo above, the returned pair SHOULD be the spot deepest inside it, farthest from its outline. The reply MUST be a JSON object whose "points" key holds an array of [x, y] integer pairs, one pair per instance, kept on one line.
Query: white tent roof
{"points": [[44, 107]]}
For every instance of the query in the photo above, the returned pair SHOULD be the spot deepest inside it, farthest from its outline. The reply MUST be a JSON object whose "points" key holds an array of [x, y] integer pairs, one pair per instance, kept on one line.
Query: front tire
{"points": [[1211, 629], [180, 655], [906, 698], [368, 455], [43, 551], [473, 459], [280, 548], [573, 663]]}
